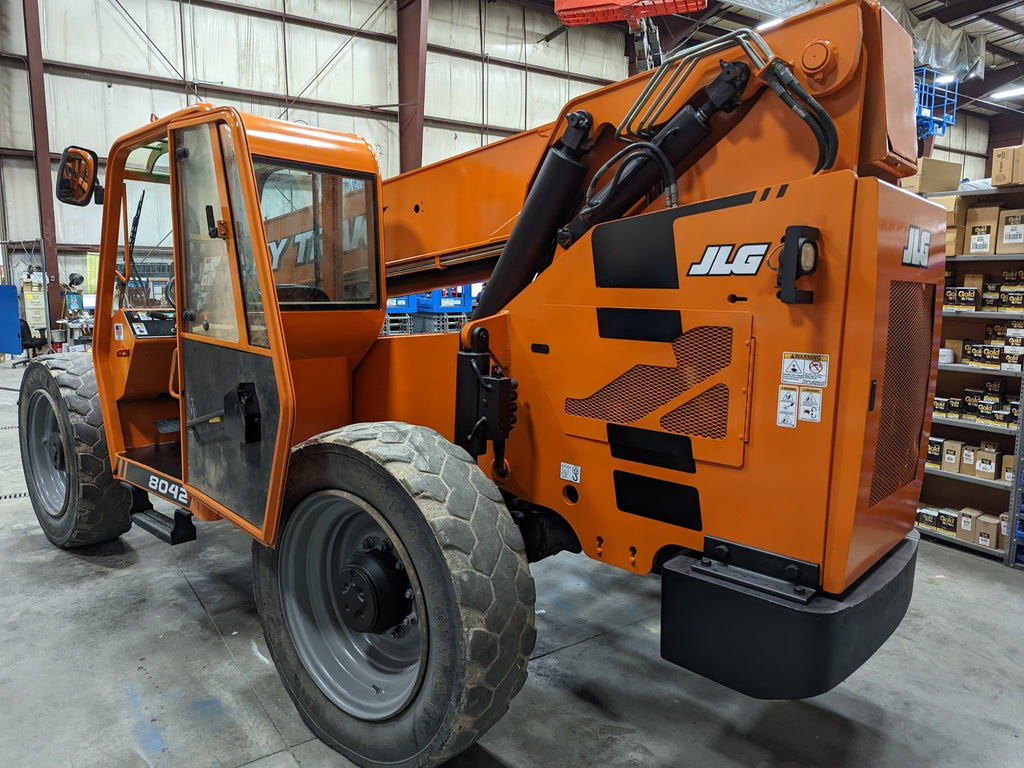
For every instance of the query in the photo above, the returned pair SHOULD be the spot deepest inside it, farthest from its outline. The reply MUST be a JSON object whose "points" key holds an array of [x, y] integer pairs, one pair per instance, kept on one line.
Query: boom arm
{"points": [[837, 89]]}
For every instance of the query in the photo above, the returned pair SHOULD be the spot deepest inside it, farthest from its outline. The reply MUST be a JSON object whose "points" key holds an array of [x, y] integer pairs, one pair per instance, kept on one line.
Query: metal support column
{"points": [[41, 144], [412, 80]]}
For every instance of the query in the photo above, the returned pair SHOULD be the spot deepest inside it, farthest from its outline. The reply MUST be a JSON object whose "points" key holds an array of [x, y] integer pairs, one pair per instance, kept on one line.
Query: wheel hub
{"points": [[56, 451], [373, 591]]}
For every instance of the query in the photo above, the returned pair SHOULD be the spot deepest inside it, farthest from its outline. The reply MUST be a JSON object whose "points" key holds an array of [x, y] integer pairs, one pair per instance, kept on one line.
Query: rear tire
{"points": [[64, 454], [421, 506]]}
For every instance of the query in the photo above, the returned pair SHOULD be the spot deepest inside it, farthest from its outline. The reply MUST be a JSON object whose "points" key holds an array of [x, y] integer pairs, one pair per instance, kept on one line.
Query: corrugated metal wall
{"points": [[970, 136], [488, 75]]}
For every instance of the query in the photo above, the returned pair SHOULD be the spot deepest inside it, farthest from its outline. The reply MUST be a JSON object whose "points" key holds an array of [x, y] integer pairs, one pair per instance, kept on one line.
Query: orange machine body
{"points": [[835, 488], [824, 489]]}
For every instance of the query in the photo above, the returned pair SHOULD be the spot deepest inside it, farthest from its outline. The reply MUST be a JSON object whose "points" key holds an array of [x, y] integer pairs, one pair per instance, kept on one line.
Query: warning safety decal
{"points": [[805, 369], [810, 404], [788, 399]]}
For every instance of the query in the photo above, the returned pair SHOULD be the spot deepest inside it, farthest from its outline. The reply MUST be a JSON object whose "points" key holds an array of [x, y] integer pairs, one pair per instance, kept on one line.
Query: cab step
{"points": [[176, 530]]}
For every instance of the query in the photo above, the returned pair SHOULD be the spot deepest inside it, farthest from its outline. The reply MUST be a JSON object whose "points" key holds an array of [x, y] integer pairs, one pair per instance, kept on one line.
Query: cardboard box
{"points": [[956, 404], [1011, 231], [1014, 329], [934, 176], [1015, 409], [1009, 276], [956, 209], [967, 459], [940, 406], [951, 455], [986, 464], [928, 517], [995, 386], [955, 237], [990, 301], [957, 345], [972, 396], [988, 531], [1002, 166], [985, 409], [1007, 468], [991, 356], [974, 280], [965, 297], [1011, 298], [934, 456], [982, 229], [947, 521], [967, 530], [1003, 418], [989, 445], [1004, 531]]}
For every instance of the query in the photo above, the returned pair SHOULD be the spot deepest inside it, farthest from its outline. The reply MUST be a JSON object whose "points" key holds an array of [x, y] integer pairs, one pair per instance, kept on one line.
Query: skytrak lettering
{"points": [[719, 260], [353, 232]]}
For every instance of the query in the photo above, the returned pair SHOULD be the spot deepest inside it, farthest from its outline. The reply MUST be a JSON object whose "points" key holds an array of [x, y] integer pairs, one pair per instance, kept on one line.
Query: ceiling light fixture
{"points": [[1008, 94], [943, 79]]}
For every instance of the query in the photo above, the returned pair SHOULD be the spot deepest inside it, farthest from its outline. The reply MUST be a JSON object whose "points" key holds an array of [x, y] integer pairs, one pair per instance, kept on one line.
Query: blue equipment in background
{"points": [[10, 321], [934, 102]]}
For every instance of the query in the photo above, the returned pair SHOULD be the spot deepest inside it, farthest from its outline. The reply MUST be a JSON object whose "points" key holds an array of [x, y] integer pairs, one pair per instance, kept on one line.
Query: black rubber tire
{"points": [[476, 590], [96, 507]]}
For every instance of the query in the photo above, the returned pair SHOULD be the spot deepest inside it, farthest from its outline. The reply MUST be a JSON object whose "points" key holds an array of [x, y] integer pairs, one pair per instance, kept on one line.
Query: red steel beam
{"points": [[412, 81], [41, 144]]}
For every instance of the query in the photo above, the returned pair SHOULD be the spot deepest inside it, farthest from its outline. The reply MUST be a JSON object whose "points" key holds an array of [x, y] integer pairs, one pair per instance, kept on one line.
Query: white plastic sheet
{"points": [[939, 47], [16, 112], [21, 203], [98, 33], [12, 26], [93, 113]]}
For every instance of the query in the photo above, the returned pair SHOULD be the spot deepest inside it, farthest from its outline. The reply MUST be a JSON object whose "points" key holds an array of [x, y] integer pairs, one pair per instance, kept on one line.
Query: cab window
{"points": [[322, 234]]}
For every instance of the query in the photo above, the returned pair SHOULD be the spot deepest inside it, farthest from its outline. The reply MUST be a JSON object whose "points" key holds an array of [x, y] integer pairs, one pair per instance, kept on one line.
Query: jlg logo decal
{"points": [[167, 489], [919, 242], [719, 260]]}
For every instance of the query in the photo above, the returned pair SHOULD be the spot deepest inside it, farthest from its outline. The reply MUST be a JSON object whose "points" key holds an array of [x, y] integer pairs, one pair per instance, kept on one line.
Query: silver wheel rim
{"points": [[47, 455], [370, 676]]}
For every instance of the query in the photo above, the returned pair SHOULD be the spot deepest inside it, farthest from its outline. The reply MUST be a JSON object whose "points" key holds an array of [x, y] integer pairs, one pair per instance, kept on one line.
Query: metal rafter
{"points": [[41, 143], [994, 80], [962, 9], [1007, 24], [412, 81]]}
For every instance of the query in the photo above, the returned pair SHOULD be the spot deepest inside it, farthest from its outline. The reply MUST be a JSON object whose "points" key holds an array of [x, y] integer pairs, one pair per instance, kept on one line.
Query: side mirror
{"points": [[76, 177]]}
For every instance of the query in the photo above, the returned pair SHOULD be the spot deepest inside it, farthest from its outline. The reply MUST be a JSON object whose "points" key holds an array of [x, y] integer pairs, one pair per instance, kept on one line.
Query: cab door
{"points": [[235, 387]]}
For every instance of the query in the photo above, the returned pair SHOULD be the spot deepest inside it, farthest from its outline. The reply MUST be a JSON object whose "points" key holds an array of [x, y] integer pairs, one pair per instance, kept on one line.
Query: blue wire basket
{"points": [[934, 102]]}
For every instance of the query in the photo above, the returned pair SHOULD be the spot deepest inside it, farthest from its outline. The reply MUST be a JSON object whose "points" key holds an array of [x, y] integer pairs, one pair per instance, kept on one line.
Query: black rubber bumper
{"points": [[770, 647]]}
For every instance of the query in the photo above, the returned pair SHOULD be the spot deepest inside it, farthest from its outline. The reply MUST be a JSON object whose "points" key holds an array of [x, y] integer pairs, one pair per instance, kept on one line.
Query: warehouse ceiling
{"points": [[1001, 24]]}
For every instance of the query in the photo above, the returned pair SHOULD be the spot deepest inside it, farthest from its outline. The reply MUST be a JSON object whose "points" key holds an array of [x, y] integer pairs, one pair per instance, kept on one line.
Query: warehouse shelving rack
{"points": [[1015, 196]]}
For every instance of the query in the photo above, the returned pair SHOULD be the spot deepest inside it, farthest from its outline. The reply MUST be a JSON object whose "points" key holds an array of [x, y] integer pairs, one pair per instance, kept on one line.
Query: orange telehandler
{"points": [[704, 350]]}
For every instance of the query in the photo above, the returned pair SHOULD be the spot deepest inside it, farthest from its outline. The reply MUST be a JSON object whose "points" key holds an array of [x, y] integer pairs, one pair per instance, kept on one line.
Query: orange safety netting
{"points": [[573, 12]]}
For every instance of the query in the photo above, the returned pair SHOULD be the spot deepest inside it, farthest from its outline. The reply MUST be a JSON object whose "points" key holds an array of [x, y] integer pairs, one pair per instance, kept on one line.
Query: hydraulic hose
{"points": [[648, 149], [680, 136], [825, 119], [781, 80], [812, 122]]}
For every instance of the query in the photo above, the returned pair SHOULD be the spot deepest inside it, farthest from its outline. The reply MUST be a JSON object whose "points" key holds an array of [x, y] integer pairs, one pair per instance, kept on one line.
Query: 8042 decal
{"points": [[170, 491]]}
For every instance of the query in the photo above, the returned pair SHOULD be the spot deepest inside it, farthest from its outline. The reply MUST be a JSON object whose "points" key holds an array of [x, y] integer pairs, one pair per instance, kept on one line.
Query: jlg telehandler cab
{"points": [[704, 350]]}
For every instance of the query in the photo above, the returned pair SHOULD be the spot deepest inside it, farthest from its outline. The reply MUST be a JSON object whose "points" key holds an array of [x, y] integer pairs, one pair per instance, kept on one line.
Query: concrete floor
{"points": [[134, 653]]}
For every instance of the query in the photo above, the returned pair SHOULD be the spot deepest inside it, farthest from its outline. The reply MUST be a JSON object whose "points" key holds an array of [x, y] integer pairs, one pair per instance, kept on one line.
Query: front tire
{"points": [[407, 669], [64, 454]]}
